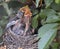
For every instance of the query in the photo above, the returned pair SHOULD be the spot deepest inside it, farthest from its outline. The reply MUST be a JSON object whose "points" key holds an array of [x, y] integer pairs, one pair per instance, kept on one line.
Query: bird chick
{"points": [[23, 18], [27, 17], [13, 21], [18, 28], [10, 24], [20, 14]]}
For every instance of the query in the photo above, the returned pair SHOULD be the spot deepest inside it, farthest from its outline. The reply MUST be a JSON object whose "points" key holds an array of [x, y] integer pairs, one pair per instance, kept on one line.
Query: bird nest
{"points": [[16, 41], [16, 37]]}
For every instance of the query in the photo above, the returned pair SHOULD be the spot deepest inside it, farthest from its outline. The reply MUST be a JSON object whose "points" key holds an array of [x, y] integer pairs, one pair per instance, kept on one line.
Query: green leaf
{"points": [[1, 31], [48, 2], [47, 33], [59, 14], [52, 19], [49, 16], [57, 1], [55, 6], [43, 21], [55, 45], [1, 40], [42, 14], [3, 22], [35, 21], [45, 28], [45, 41], [49, 12], [34, 11], [23, 1], [46, 12], [5, 17], [37, 3]]}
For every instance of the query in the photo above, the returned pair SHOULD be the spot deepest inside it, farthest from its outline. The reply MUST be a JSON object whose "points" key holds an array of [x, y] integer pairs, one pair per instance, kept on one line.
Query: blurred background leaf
{"points": [[48, 2], [47, 33], [52, 19], [23, 1], [55, 7], [1, 31], [57, 1], [35, 21], [46, 12], [47, 38], [45, 28], [55, 45]]}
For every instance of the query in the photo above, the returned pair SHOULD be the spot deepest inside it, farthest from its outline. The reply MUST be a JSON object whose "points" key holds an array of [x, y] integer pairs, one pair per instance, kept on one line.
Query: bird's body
{"points": [[18, 28], [27, 17], [19, 32], [21, 21]]}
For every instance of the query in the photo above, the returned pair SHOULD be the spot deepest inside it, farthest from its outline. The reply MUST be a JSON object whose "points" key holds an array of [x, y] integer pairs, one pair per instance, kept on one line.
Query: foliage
{"points": [[23, 1], [47, 38], [48, 2], [45, 28], [50, 21], [1, 31], [3, 22], [57, 1], [55, 45], [35, 21]]}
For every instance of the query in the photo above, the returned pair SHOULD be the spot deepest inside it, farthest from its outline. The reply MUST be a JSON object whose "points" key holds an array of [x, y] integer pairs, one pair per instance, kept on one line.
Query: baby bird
{"points": [[16, 24], [27, 17], [13, 21], [18, 28], [21, 23]]}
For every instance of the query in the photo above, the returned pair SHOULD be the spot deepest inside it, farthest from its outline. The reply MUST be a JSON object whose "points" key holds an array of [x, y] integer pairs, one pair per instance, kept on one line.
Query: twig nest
{"points": [[14, 38], [13, 41]]}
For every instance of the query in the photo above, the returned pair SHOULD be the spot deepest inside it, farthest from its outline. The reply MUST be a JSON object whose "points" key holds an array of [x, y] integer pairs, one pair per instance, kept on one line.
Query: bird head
{"points": [[26, 10]]}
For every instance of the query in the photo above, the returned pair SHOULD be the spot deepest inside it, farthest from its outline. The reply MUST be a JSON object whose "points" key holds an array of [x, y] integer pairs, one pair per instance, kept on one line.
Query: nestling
{"points": [[27, 17]]}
